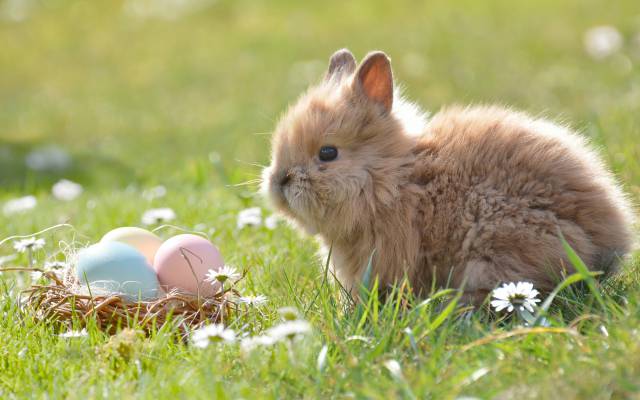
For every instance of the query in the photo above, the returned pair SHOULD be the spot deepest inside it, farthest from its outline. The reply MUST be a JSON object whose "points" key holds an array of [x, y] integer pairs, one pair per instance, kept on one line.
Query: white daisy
{"points": [[158, 215], [212, 334], [214, 157], [155, 192], [289, 330], [254, 300], [249, 217], [55, 265], [603, 330], [602, 41], [359, 338], [19, 205], [271, 222], [249, 344], [226, 273], [35, 275], [321, 362], [7, 259], [394, 368], [74, 334], [66, 190], [31, 243], [511, 295], [289, 313]]}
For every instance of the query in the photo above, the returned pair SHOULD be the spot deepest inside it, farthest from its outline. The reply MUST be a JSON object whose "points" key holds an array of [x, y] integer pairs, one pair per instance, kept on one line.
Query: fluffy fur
{"points": [[479, 197]]}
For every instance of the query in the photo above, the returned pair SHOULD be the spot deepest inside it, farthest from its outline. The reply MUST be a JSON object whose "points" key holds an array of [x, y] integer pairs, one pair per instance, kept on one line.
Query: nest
{"points": [[60, 299]]}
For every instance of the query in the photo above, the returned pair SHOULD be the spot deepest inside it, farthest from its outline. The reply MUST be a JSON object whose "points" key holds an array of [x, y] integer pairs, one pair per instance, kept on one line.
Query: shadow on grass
{"points": [[36, 166]]}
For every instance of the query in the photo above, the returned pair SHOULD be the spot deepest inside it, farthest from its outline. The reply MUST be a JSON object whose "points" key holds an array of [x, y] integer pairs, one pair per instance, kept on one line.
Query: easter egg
{"points": [[183, 261], [116, 267], [144, 241]]}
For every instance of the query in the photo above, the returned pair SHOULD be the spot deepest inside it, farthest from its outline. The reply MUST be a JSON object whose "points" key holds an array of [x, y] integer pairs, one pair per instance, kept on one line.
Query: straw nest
{"points": [[58, 297]]}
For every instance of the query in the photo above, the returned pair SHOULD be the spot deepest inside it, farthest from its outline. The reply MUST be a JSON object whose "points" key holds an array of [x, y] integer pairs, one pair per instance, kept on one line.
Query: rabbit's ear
{"points": [[374, 79], [342, 62]]}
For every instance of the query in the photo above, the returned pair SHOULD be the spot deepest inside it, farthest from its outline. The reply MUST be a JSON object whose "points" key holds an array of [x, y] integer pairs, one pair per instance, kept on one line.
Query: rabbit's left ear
{"points": [[342, 63], [374, 79]]}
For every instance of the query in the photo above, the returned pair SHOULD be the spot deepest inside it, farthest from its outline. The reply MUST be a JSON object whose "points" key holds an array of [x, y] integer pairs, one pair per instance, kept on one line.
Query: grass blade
{"points": [[583, 270]]}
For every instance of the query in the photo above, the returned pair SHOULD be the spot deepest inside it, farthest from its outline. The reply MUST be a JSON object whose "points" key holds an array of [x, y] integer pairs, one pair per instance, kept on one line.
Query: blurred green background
{"points": [[143, 91], [122, 96]]}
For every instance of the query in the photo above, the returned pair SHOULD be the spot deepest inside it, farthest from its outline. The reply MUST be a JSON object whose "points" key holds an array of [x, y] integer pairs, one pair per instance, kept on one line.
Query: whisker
{"points": [[267, 117], [247, 183], [253, 164]]}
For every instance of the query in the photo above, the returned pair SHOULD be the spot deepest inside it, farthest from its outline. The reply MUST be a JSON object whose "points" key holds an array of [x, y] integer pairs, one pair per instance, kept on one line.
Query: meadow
{"points": [[153, 104]]}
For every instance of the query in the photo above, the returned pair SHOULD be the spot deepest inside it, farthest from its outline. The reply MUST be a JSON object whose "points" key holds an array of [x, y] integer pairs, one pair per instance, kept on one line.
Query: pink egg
{"points": [[174, 272]]}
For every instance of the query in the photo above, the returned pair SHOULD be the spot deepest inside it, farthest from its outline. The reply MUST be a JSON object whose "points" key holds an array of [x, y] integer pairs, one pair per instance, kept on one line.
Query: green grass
{"points": [[141, 102]]}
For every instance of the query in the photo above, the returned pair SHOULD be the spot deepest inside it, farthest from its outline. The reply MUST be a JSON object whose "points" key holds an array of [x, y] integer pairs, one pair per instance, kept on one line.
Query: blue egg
{"points": [[116, 267]]}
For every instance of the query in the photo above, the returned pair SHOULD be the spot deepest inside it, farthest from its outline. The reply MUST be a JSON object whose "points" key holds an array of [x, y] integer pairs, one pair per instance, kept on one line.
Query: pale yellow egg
{"points": [[144, 241]]}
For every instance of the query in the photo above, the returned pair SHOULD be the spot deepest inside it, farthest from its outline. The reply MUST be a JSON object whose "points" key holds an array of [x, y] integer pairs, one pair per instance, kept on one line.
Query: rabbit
{"points": [[471, 198]]}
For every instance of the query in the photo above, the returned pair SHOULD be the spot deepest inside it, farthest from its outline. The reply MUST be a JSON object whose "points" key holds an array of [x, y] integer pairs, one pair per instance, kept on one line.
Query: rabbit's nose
{"points": [[285, 179]]}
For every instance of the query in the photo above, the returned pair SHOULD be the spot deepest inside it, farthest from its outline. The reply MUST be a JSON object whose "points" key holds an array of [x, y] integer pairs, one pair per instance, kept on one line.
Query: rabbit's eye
{"points": [[328, 153]]}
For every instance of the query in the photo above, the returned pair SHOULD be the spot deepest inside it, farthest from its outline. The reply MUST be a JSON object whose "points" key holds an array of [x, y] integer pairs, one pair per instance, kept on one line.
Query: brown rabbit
{"points": [[476, 195]]}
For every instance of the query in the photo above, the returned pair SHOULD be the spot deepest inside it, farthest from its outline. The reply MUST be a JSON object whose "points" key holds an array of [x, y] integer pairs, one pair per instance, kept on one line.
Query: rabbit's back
{"points": [[502, 184]]}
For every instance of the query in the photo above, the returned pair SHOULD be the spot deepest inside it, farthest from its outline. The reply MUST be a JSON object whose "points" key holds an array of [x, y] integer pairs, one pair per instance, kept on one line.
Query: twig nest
{"points": [[114, 284], [64, 301]]}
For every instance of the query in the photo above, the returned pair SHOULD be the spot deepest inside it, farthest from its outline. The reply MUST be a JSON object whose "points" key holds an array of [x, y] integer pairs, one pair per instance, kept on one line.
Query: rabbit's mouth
{"points": [[295, 198], [287, 191], [292, 202]]}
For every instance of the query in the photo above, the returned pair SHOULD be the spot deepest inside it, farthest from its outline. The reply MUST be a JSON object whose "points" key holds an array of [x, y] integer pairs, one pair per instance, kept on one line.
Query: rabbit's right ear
{"points": [[374, 79], [342, 63]]}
